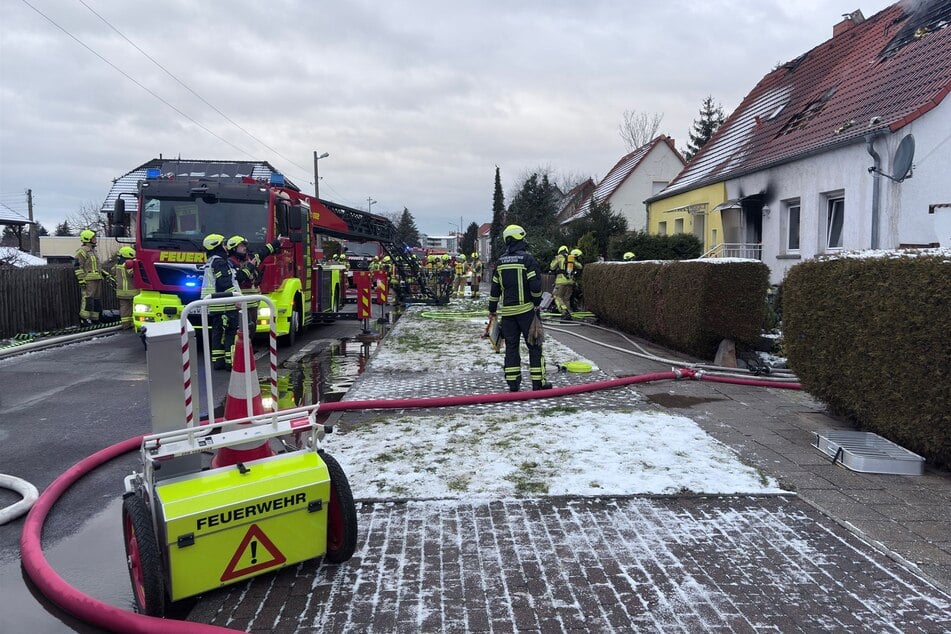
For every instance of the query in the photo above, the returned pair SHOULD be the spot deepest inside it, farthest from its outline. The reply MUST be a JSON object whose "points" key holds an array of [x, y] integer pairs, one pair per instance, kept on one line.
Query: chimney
{"points": [[849, 20]]}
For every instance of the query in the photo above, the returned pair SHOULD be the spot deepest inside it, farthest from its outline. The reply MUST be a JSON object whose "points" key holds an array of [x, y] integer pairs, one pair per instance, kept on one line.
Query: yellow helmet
{"points": [[475, 256], [87, 236], [461, 257], [336, 257], [576, 252], [212, 241], [127, 252], [562, 249], [628, 256], [234, 241], [446, 257], [387, 258], [514, 232]]}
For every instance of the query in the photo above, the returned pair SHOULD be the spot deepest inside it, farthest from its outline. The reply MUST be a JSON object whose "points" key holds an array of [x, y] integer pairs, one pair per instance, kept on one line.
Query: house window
{"points": [[790, 226], [662, 228], [835, 211], [679, 225], [713, 237]]}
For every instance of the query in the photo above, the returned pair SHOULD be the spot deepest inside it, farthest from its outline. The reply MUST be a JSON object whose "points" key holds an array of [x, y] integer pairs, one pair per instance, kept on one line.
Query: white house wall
{"points": [[660, 164], [903, 207]]}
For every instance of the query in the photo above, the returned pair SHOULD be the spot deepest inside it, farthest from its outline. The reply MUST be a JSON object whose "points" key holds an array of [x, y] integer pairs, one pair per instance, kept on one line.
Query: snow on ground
{"points": [[555, 453], [438, 344], [548, 447]]}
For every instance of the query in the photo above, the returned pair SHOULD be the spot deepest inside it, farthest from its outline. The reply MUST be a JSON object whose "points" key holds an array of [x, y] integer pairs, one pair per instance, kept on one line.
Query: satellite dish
{"points": [[904, 155]]}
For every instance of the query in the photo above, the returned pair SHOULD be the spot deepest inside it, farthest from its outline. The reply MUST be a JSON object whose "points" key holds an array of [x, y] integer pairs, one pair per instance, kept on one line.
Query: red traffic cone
{"points": [[236, 406]]}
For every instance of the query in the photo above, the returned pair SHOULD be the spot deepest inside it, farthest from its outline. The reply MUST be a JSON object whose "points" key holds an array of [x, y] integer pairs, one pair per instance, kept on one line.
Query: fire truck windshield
{"points": [[182, 223]]}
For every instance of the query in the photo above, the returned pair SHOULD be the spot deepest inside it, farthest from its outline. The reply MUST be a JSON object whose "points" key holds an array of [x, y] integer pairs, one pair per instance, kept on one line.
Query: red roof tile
{"points": [[895, 66]]}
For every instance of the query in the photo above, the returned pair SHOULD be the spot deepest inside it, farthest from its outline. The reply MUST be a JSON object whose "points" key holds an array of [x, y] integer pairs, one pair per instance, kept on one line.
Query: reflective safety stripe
{"points": [[513, 372]]}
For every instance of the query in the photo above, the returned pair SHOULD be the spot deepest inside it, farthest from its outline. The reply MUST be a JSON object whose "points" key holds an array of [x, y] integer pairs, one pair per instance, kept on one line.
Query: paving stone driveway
{"points": [[683, 564]]}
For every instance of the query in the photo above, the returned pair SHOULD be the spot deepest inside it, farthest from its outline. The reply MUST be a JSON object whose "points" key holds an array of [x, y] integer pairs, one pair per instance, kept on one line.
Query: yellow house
{"points": [[695, 211]]}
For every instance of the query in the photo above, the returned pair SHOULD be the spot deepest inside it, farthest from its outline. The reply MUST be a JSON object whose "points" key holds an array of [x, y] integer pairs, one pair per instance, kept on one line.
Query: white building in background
{"points": [[633, 179], [440, 243]]}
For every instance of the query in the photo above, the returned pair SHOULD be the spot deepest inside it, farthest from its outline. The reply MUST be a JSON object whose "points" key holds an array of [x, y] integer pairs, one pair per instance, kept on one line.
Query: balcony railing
{"points": [[747, 250]]}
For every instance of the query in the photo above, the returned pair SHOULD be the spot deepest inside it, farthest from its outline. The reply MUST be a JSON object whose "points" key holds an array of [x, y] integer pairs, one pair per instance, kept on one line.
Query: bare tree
{"points": [[11, 256], [639, 128], [88, 216]]}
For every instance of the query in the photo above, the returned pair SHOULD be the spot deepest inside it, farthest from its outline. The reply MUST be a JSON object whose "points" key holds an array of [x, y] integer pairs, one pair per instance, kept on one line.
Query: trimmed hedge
{"points": [[686, 305], [872, 339]]}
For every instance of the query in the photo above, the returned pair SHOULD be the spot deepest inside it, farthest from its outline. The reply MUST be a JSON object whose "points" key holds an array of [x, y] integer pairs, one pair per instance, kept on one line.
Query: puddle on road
{"points": [[678, 401], [323, 377], [93, 558]]}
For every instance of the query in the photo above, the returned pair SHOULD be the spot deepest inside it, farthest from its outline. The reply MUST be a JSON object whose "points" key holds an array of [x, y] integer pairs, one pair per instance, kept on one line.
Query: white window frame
{"points": [[786, 225], [828, 220]]}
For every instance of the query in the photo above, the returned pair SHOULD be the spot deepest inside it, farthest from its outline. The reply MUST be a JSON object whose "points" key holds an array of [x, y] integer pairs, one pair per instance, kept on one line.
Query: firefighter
{"points": [[90, 276], [459, 283], [247, 271], [629, 256], [517, 285], [223, 318], [563, 285], [125, 286], [475, 266]]}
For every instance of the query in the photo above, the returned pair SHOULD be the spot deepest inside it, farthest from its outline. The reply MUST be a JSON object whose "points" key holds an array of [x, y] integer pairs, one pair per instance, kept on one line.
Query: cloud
{"points": [[416, 102]]}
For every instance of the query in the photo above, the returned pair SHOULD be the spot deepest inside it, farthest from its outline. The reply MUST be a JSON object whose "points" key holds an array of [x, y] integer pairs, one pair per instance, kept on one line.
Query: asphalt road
{"points": [[60, 405]]}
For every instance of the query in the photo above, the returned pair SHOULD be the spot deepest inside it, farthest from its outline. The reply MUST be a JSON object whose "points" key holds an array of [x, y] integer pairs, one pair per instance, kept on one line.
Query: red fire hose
{"points": [[109, 617]]}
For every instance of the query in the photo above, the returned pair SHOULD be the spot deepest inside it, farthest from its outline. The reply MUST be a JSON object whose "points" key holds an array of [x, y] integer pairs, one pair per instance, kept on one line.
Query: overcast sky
{"points": [[416, 102]]}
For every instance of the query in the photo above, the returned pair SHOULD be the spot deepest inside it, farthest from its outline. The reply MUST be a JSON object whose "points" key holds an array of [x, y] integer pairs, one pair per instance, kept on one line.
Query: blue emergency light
{"points": [[277, 179], [152, 173], [191, 284]]}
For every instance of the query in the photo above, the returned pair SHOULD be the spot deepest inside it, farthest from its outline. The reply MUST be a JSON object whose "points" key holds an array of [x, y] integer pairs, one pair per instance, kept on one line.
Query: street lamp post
{"points": [[316, 174], [370, 203]]}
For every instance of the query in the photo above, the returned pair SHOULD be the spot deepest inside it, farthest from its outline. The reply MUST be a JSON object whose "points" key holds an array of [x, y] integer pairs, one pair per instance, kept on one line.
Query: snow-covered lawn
{"points": [[553, 447]]}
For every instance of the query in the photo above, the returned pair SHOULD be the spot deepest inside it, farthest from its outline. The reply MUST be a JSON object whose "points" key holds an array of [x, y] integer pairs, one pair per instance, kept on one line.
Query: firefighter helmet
{"points": [[446, 257], [234, 241], [212, 241], [387, 259], [514, 232], [336, 257], [127, 252], [475, 255], [87, 236], [577, 253], [461, 257], [562, 249], [628, 256]]}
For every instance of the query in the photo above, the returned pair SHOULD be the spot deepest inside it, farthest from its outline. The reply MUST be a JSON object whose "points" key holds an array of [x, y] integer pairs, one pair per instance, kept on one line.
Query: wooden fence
{"points": [[42, 298]]}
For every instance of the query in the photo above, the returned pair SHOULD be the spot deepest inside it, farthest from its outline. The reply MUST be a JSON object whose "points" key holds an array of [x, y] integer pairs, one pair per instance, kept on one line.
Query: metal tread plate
{"points": [[868, 453]]}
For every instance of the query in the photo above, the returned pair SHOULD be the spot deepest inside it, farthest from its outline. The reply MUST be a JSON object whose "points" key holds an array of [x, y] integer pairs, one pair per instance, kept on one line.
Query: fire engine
{"points": [[168, 206]]}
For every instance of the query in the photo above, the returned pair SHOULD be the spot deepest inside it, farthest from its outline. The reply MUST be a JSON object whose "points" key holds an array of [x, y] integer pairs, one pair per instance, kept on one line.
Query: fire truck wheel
{"points": [[143, 557], [294, 325], [341, 514]]}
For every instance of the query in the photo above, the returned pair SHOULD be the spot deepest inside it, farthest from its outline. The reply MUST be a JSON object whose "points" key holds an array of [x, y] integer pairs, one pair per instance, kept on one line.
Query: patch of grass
{"points": [[559, 409], [458, 483], [594, 484], [681, 454], [528, 480], [384, 457]]}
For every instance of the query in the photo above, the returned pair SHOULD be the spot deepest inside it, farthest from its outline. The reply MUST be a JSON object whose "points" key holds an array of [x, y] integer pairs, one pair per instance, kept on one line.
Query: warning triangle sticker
{"points": [[250, 557]]}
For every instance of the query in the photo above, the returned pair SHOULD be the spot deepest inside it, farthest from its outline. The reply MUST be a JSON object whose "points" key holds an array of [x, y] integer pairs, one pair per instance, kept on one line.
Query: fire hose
{"points": [[25, 490], [109, 617]]}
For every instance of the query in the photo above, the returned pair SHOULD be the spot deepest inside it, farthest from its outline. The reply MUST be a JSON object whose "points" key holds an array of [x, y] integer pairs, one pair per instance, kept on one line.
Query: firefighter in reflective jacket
{"points": [[565, 266], [475, 266], [517, 285], [89, 276], [247, 271], [125, 287], [460, 268], [223, 318]]}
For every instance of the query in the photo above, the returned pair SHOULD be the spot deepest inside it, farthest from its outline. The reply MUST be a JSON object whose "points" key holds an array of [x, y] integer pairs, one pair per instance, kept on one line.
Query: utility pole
{"points": [[316, 174], [370, 203], [34, 238]]}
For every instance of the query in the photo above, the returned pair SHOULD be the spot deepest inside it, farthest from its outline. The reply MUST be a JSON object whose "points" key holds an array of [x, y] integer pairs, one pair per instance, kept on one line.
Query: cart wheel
{"points": [[142, 557], [341, 514]]}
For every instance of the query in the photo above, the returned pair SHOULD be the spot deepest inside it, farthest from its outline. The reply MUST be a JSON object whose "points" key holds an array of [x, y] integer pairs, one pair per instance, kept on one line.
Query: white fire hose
{"points": [[26, 490]]}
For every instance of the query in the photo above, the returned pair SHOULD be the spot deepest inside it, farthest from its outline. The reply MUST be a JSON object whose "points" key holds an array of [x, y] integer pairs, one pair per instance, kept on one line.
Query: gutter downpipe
{"points": [[875, 170]]}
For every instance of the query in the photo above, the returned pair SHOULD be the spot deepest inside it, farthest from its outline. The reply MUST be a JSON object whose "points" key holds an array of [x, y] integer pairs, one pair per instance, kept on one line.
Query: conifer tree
{"points": [[711, 116], [498, 216]]}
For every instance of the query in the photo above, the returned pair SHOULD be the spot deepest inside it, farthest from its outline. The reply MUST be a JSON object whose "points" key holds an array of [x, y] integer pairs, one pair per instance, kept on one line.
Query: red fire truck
{"points": [[169, 206]]}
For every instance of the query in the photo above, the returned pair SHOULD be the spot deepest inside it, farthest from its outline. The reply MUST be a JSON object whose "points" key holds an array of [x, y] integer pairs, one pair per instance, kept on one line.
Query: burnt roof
{"points": [[880, 74]]}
